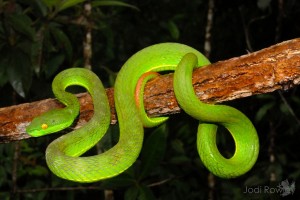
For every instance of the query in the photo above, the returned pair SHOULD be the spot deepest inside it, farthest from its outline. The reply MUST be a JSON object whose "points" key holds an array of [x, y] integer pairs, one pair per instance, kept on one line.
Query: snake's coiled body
{"points": [[240, 127], [62, 154]]}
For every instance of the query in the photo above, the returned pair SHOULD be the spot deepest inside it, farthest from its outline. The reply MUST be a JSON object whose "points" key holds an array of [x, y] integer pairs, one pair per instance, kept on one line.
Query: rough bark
{"points": [[274, 68]]}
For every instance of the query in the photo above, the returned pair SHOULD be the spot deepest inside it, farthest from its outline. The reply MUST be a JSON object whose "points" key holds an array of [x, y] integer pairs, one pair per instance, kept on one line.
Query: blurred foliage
{"points": [[40, 38]]}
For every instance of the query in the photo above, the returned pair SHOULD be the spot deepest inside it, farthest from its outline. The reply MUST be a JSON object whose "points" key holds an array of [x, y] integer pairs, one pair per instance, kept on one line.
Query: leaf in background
{"points": [[37, 170], [109, 35], [145, 193], [42, 7], [37, 50], [53, 64], [16, 82], [180, 153], [19, 72], [3, 175], [131, 193], [3, 76], [68, 3], [37, 7], [263, 111], [254, 181], [180, 160], [296, 174], [113, 3], [173, 29], [285, 109], [177, 146], [22, 24], [51, 3], [263, 4], [153, 150], [62, 39], [295, 99], [122, 180], [111, 75]]}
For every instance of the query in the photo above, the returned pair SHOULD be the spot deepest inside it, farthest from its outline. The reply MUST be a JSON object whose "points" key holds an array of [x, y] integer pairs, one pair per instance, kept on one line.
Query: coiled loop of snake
{"points": [[62, 154], [239, 126]]}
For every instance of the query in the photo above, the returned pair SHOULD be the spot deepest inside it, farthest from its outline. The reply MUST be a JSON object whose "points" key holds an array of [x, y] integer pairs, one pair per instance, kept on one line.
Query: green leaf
{"points": [[68, 3], [177, 146], [26, 148], [111, 75], [140, 192], [16, 82], [295, 99], [38, 7], [53, 64], [153, 150], [263, 111], [145, 193], [3, 175], [266, 97], [5, 195], [173, 29], [3, 76], [51, 3], [42, 7], [296, 173], [254, 181], [131, 193], [284, 109], [22, 24], [180, 160], [37, 170], [19, 72], [62, 39], [37, 52], [113, 3], [263, 4], [123, 180], [109, 35]]}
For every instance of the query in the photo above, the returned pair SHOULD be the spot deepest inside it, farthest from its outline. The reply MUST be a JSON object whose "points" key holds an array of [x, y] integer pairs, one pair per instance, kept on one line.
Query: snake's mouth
{"points": [[33, 131]]}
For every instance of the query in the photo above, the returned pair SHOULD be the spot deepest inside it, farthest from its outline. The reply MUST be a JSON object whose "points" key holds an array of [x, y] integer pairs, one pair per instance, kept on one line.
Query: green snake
{"points": [[62, 155]]}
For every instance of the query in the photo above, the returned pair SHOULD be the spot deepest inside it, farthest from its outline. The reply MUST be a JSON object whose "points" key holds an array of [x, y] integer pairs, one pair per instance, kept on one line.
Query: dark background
{"points": [[37, 41]]}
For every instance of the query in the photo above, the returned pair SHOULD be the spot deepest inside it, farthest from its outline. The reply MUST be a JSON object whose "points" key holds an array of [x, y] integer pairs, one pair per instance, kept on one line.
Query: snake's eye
{"points": [[44, 126]]}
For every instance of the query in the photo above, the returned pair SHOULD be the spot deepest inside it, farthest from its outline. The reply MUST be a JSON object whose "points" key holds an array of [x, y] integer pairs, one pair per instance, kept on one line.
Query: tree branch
{"points": [[264, 71]]}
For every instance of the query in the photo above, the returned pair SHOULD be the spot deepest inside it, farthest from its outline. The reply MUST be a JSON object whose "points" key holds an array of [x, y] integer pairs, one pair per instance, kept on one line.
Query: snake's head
{"points": [[50, 122]]}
